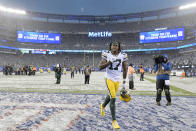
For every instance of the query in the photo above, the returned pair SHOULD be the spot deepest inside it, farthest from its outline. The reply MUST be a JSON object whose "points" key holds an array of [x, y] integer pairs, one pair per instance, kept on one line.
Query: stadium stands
{"points": [[75, 37]]}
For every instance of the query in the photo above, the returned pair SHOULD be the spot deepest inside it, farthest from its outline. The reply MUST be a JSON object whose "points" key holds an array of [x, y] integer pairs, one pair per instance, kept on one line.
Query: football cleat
{"points": [[124, 95], [102, 110], [168, 104], [115, 124], [158, 103]]}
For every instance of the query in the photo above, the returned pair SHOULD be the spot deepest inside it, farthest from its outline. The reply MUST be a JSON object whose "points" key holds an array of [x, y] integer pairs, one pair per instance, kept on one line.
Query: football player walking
{"points": [[114, 61]]}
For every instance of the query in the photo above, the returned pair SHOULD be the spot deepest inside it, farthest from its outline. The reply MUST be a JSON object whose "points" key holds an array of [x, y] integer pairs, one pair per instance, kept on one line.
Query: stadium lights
{"points": [[11, 10], [187, 6]]}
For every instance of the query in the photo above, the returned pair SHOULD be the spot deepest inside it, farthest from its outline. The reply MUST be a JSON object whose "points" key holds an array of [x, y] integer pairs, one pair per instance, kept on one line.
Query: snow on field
{"points": [[59, 112], [76, 112], [186, 83], [46, 81]]}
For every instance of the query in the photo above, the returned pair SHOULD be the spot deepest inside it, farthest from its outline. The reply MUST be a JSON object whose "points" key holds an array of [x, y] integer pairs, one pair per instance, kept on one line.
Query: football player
{"points": [[114, 61]]}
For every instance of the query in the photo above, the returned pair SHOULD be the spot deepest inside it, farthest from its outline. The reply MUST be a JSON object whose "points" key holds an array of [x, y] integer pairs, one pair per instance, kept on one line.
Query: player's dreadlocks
{"points": [[116, 42]]}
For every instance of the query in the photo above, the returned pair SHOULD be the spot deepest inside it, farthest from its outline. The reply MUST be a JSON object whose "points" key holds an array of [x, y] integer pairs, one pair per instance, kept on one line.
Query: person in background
{"points": [[58, 71], [163, 70], [33, 70], [72, 71], [131, 72], [87, 72], [141, 73]]}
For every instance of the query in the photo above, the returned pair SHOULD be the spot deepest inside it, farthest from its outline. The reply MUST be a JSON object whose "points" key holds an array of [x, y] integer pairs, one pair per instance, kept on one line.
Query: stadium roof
{"points": [[93, 7], [104, 17], [93, 10]]}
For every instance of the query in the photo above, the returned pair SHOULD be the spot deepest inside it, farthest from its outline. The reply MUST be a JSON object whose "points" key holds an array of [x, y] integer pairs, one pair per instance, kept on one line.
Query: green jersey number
{"points": [[118, 61]]}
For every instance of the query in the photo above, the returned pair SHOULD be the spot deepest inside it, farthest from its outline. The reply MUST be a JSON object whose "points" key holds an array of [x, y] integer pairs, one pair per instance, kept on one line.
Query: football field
{"points": [[35, 103]]}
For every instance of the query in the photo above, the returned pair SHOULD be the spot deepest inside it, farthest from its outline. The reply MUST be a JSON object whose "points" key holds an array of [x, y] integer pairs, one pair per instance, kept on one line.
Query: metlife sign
{"points": [[162, 35], [100, 34]]}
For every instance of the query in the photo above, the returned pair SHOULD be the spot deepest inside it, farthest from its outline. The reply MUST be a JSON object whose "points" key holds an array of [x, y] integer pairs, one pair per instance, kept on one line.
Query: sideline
{"points": [[177, 90]]}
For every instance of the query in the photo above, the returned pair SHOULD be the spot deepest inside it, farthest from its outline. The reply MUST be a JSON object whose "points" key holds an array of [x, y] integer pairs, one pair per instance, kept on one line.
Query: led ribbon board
{"points": [[161, 36], [36, 37], [39, 51]]}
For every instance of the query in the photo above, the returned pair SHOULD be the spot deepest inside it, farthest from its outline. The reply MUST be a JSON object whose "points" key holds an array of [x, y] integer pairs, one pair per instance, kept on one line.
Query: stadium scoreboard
{"points": [[37, 37], [161, 36]]}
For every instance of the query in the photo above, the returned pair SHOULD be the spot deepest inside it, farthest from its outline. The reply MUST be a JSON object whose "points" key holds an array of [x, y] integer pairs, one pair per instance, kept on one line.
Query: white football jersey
{"points": [[113, 71]]}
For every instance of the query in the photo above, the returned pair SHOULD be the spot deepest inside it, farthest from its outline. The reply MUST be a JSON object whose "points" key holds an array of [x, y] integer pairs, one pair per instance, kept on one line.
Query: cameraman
{"points": [[163, 70]]}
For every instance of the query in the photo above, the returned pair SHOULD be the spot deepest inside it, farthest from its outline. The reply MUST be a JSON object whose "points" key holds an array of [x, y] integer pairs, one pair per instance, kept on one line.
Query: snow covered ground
{"points": [[46, 81], [186, 83], [60, 112], [76, 112]]}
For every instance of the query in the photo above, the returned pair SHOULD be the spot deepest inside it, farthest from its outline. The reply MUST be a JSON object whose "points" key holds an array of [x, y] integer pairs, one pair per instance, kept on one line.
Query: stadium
{"points": [[32, 43]]}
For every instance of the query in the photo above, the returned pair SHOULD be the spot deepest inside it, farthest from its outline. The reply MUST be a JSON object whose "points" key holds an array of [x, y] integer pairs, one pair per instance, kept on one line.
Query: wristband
{"points": [[123, 86]]}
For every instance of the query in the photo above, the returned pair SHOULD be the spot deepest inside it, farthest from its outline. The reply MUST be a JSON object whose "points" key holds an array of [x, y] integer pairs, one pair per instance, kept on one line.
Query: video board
{"points": [[161, 36], [36, 37]]}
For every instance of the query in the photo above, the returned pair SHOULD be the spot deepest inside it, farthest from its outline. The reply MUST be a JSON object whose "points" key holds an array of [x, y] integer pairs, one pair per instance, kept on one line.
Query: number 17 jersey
{"points": [[113, 71]]}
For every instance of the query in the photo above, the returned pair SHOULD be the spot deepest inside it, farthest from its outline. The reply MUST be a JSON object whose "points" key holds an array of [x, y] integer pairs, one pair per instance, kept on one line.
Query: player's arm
{"points": [[104, 63], [124, 66]]}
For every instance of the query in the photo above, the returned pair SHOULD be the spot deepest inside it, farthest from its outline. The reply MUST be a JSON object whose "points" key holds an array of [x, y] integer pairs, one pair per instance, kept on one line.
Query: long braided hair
{"points": [[116, 42]]}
